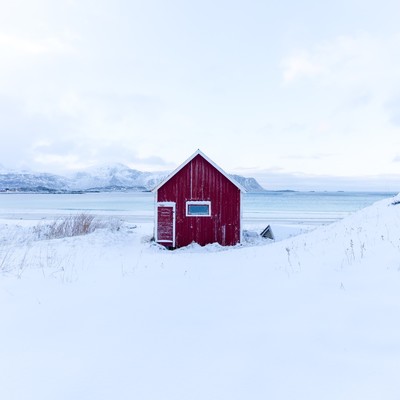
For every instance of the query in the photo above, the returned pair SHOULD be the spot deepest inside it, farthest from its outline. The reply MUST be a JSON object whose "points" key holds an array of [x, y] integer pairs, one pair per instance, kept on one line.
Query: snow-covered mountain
{"points": [[115, 176], [250, 184], [25, 181], [106, 178]]}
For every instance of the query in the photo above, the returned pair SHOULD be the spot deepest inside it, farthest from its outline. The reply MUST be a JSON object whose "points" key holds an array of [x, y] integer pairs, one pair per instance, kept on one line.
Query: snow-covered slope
{"points": [[250, 184], [111, 315], [32, 181], [110, 177], [116, 175]]}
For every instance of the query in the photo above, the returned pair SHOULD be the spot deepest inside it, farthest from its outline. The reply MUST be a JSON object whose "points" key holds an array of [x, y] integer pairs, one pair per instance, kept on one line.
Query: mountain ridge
{"points": [[112, 177]]}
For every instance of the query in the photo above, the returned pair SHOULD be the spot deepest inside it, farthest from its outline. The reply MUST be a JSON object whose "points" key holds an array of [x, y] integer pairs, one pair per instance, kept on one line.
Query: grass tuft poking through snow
{"points": [[74, 225]]}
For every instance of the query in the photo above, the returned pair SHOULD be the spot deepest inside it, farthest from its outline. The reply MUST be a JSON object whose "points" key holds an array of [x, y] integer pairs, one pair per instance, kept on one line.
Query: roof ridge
{"points": [[196, 153]]}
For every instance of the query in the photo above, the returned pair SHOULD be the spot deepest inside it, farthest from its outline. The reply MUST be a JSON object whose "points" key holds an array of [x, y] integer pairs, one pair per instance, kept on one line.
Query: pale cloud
{"points": [[58, 155], [58, 162], [318, 156], [360, 59], [300, 66], [78, 154], [393, 109], [323, 126], [11, 44], [145, 85], [348, 98], [276, 180]]}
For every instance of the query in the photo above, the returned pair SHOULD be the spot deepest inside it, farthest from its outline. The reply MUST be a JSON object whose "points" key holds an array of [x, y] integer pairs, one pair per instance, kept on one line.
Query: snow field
{"points": [[112, 316]]}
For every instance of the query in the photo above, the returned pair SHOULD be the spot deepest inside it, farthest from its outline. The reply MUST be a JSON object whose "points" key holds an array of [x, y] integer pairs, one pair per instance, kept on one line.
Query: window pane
{"points": [[198, 209]]}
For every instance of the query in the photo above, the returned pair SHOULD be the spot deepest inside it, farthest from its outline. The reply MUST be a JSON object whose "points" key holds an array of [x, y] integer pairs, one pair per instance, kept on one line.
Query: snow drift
{"points": [[111, 315]]}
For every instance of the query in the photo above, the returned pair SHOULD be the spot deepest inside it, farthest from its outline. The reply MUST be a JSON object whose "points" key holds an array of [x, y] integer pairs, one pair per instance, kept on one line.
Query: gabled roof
{"points": [[196, 153]]}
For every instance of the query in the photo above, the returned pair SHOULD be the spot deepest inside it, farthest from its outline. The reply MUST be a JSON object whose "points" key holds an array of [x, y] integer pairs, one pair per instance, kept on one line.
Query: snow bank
{"points": [[110, 315]]}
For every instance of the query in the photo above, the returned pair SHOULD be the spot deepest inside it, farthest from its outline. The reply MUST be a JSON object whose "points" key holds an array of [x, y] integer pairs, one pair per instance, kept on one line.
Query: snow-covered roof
{"points": [[196, 153]]}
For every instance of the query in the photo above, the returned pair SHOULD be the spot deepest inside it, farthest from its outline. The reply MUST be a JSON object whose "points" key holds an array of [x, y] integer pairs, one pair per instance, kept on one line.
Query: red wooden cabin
{"points": [[198, 202]]}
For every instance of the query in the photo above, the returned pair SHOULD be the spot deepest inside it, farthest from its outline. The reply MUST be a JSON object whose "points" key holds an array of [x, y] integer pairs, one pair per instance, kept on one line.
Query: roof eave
{"points": [[196, 153]]}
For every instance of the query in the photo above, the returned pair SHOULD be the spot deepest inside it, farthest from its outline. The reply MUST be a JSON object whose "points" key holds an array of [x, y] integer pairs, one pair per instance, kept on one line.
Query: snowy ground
{"points": [[112, 316]]}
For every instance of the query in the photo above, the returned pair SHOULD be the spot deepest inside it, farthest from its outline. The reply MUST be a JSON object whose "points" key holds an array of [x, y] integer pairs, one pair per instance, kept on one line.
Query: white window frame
{"points": [[198, 203]]}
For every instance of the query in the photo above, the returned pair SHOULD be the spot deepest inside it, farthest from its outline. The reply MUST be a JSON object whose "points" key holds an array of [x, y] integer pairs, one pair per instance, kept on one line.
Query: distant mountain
{"points": [[250, 184], [116, 177], [24, 181]]}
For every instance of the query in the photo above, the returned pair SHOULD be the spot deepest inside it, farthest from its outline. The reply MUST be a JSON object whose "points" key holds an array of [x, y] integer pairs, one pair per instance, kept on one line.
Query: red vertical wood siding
{"points": [[201, 181]]}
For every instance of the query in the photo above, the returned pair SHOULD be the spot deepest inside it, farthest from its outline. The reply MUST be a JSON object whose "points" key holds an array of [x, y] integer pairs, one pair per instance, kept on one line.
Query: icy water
{"points": [[308, 208], [313, 208]]}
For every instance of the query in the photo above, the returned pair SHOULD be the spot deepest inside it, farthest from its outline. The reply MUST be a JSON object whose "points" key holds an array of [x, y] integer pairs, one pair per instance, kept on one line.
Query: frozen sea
{"points": [[298, 208]]}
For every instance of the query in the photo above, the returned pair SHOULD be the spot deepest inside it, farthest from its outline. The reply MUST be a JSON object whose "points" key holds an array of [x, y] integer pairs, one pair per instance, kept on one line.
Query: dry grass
{"points": [[18, 250], [74, 225]]}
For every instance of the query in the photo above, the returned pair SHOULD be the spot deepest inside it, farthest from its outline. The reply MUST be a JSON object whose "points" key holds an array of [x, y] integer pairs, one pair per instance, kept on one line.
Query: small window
{"points": [[198, 209]]}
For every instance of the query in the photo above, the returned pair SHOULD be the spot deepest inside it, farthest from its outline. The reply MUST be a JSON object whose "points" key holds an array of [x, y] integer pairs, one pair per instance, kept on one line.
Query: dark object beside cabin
{"points": [[267, 233]]}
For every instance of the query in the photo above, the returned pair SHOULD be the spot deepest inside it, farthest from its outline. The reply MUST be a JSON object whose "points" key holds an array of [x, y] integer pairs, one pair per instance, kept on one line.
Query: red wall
{"points": [[196, 181]]}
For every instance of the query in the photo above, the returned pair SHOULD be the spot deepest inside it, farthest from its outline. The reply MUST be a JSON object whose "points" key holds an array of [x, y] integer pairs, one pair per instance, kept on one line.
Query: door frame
{"points": [[166, 204]]}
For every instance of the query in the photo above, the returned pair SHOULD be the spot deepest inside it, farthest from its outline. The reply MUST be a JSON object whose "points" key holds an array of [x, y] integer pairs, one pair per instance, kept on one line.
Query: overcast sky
{"points": [[290, 91]]}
